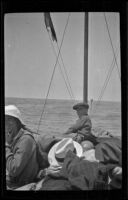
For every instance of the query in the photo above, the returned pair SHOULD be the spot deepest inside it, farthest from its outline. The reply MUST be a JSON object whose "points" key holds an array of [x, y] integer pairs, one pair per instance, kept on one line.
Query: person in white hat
{"points": [[21, 155], [58, 152]]}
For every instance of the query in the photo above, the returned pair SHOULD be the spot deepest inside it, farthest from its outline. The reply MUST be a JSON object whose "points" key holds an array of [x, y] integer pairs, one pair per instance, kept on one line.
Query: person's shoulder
{"points": [[27, 143], [28, 136]]}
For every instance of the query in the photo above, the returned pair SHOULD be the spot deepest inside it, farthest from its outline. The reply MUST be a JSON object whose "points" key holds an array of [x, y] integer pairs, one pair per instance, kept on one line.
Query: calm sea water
{"points": [[59, 115]]}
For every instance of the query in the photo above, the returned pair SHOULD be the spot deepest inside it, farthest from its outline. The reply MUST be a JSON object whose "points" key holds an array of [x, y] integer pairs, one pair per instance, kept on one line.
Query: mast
{"points": [[85, 87]]}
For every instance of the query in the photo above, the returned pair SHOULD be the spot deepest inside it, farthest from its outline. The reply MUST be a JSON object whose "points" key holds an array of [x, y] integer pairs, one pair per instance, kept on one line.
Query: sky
{"points": [[30, 59]]}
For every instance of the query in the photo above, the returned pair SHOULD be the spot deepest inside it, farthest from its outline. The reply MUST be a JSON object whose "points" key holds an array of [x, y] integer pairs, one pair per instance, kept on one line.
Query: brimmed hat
{"points": [[58, 152], [80, 105], [13, 111]]}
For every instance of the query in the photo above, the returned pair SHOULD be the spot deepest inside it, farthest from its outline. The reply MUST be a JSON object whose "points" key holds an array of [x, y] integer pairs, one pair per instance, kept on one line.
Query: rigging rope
{"points": [[53, 73], [68, 87], [106, 81], [112, 45], [110, 69], [66, 74]]}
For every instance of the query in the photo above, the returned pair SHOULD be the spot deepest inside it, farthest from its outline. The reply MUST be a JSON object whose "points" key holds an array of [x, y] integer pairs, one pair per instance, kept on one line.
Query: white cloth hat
{"points": [[13, 111], [59, 150]]}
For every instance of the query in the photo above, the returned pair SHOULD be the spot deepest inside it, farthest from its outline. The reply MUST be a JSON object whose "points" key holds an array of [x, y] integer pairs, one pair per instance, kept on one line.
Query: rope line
{"points": [[107, 78], [53, 74], [112, 46], [106, 81], [68, 87], [66, 74]]}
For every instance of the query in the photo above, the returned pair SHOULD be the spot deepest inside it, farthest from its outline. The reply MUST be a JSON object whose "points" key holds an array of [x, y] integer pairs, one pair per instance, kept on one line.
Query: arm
{"points": [[80, 123], [74, 128], [16, 162], [70, 130]]}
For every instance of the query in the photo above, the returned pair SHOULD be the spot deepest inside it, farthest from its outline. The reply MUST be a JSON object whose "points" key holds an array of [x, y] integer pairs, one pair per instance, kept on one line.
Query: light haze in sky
{"points": [[29, 56]]}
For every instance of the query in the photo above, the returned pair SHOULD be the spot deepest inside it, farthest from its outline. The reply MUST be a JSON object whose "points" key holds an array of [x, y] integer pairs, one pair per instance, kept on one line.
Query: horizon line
{"points": [[61, 99]]}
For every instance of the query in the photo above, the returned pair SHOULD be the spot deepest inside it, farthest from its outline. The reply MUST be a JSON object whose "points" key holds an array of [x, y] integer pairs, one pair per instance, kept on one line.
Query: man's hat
{"points": [[58, 152], [13, 111], [80, 105]]}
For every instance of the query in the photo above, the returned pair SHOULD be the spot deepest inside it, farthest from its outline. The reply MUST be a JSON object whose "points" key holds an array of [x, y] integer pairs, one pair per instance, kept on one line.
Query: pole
{"points": [[85, 87]]}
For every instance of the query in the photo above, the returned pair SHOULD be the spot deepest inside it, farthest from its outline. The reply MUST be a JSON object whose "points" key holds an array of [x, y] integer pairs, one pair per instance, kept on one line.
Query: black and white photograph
{"points": [[63, 115]]}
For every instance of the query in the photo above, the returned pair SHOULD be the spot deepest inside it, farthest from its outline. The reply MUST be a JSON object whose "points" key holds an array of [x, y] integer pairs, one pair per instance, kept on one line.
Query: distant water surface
{"points": [[59, 115]]}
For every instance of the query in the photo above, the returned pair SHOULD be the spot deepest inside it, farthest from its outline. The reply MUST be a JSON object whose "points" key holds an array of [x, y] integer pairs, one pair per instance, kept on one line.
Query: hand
{"points": [[41, 173], [78, 138], [53, 169]]}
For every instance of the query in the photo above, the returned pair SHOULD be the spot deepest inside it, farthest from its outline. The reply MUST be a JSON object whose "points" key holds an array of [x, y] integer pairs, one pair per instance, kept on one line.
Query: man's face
{"points": [[81, 111], [10, 128]]}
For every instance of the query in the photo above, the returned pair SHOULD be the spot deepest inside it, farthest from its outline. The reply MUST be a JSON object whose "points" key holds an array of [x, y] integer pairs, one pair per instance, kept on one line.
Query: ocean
{"points": [[59, 116]]}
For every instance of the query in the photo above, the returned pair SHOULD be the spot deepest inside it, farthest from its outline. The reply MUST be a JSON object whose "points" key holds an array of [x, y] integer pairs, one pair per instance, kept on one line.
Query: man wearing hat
{"points": [[83, 125], [21, 157], [69, 170]]}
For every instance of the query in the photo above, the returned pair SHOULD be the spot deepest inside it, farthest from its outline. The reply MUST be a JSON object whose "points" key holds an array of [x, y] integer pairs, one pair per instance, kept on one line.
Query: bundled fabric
{"points": [[99, 132], [109, 150], [44, 144], [77, 174]]}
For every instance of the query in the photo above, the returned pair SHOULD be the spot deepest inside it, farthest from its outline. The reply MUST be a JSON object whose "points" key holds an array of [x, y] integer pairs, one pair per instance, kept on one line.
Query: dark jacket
{"points": [[83, 124], [21, 160], [83, 128], [109, 150], [77, 174]]}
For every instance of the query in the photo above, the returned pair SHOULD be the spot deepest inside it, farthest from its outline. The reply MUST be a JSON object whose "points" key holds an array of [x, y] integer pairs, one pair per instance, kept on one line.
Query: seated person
{"points": [[21, 155], [58, 152], [83, 125], [69, 171]]}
